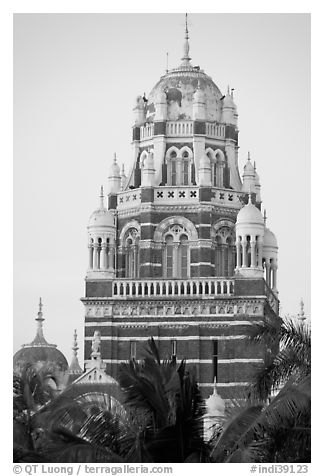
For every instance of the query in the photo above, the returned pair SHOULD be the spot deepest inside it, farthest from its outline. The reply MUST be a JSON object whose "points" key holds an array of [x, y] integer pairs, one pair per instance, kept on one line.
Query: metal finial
{"points": [[75, 347], [232, 94], [186, 58], [167, 62], [265, 217], [301, 315], [102, 197], [249, 156], [228, 90], [39, 319]]}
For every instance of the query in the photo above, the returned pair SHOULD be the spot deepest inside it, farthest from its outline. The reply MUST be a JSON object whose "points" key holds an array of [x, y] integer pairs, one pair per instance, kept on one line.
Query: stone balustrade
{"points": [[215, 130], [179, 128], [172, 287], [147, 131]]}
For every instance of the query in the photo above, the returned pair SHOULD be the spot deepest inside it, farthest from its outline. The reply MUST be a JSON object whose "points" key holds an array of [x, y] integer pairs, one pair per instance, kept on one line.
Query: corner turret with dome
{"points": [[182, 251], [40, 353]]}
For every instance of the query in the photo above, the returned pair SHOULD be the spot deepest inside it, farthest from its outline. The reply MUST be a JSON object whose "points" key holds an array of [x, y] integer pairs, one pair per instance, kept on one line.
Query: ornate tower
{"points": [[189, 251]]}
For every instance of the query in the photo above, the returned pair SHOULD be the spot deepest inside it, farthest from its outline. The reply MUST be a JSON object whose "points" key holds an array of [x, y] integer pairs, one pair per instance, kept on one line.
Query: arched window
{"points": [[225, 251], [183, 256], [131, 249], [217, 161], [185, 168], [172, 168], [179, 165], [176, 259]]}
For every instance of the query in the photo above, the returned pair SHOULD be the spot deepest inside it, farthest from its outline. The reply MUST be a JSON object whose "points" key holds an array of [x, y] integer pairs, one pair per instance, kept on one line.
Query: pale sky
{"points": [[76, 77]]}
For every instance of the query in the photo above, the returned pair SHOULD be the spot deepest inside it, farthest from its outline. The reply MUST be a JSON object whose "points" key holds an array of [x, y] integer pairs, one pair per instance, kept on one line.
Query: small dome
{"points": [[101, 217], [114, 170], [269, 239], [39, 351], [44, 354], [228, 101], [215, 405], [249, 215], [139, 102]]}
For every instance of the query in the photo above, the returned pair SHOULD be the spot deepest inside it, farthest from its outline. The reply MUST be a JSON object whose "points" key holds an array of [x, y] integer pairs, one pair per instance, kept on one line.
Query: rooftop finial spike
{"points": [[167, 62], [186, 58], [228, 90], [75, 347], [102, 197], [115, 158], [249, 156], [301, 315], [40, 319], [265, 217]]}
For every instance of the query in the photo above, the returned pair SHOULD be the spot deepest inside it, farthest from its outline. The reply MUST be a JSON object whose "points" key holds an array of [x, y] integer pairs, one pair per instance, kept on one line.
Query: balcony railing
{"points": [[173, 287]]}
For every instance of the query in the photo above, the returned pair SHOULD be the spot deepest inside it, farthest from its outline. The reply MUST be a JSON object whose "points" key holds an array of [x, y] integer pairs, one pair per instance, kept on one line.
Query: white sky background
{"points": [[76, 77]]}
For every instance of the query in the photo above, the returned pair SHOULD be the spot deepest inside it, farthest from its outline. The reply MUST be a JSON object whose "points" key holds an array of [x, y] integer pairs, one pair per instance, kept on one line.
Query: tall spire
{"points": [[39, 319], [186, 58], [75, 366]]}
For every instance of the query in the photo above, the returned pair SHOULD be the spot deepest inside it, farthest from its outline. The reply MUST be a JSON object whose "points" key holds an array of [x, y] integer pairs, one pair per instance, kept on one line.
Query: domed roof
{"points": [[102, 217], [249, 215], [215, 405], [39, 350], [180, 85], [269, 239]]}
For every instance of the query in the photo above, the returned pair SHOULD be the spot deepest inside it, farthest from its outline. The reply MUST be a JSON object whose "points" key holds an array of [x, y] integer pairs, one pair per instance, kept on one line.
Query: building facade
{"points": [[179, 250]]}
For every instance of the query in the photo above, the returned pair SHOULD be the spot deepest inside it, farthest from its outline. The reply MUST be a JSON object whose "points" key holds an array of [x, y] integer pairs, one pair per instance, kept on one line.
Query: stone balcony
{"points": [[172, 288]]}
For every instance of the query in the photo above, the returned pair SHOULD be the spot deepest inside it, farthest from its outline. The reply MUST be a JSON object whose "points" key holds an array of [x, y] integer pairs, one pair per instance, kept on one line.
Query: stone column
{"points": [[238, 254], [267, 267], [244, 254], [104, 256], [111, 255], [90, 256], [253, 254], [274, 277], [95, 252]]}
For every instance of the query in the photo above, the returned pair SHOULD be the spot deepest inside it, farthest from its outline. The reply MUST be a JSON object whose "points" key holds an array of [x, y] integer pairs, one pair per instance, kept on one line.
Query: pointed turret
{"points": [[74, 368], [39, 352], [248, 184], [199, 104], [114, 177]]}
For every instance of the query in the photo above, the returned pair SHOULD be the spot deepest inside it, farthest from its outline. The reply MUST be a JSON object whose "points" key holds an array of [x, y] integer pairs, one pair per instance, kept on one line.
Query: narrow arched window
{"points": [[185, 168], [131, 249], [225, 252], [172, 168], [176, 260], [169, 256], [183, 256]]}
